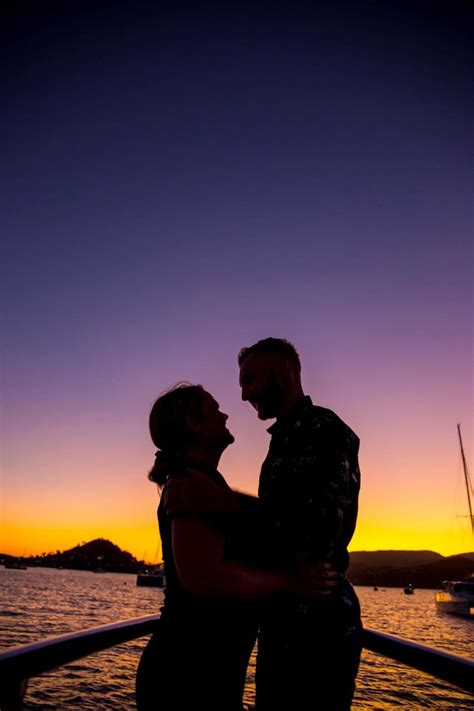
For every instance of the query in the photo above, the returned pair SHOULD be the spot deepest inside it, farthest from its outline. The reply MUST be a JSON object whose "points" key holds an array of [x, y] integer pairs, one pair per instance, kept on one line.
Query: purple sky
{"points": [[180, 184]]}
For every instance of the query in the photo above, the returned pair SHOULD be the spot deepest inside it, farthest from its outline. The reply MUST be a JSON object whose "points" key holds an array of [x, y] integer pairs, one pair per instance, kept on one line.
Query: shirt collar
{"points": [[287, 421]]}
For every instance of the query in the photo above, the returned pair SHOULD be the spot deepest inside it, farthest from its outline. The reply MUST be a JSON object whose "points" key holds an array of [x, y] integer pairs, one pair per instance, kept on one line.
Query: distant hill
{"points": [[393, 559], [423, 569], [391, 568], [97, 555]]}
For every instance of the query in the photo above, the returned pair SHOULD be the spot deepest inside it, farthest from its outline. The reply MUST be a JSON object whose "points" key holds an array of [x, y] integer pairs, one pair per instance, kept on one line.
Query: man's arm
{"points": [[330, 484], [198, 549], [195, 494]]}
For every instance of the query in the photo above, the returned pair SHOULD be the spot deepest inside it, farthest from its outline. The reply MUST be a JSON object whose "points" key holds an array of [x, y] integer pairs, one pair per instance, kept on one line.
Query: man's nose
{"points": [[244, 393]]}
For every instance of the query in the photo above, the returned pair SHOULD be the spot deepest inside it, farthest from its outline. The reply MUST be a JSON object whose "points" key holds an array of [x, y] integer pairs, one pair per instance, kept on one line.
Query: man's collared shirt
{"points": [[309, 485]]}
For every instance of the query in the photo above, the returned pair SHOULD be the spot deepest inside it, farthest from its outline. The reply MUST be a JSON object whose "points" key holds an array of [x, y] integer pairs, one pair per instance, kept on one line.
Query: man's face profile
{"points": [[261, 383]]}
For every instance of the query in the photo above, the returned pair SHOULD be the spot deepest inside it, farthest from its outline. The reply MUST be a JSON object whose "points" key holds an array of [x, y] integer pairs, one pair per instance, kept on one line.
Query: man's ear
{"points": [[285, 370], [295, 375], [288, 372]]}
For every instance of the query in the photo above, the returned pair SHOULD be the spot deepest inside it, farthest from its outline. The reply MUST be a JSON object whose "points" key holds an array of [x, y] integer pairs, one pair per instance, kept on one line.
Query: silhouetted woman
{"points": [[198, 656]]}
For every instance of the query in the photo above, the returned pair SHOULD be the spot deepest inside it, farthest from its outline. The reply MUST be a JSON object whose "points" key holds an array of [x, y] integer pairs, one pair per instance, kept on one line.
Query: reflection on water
{"points": [[386, 684], [40, 602]]}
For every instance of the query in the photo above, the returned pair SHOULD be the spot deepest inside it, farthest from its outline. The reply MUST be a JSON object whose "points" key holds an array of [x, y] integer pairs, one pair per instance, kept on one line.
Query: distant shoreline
{"points": [[381, 568]]}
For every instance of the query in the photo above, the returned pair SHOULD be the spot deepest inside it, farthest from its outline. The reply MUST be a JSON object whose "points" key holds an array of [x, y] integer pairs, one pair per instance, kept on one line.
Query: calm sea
{"points": [[41, 602]]}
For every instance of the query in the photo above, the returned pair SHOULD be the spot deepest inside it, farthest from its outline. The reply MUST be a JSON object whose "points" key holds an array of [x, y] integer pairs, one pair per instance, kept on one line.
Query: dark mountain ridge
{"points": [[390, 568], [99, 555], [394, 558], [423, 569]]}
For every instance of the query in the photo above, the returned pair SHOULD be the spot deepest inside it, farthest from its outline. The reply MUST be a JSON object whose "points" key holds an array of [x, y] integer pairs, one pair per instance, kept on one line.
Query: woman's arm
{"points": [[198, 548]]}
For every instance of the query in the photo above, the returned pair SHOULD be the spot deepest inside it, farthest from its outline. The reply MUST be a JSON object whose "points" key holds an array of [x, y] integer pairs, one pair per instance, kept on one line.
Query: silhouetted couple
{"points": [[236, 564]]}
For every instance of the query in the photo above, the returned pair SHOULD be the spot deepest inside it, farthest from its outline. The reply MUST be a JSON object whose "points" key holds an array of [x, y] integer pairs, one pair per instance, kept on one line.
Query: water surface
{"points": [[41, 602]]}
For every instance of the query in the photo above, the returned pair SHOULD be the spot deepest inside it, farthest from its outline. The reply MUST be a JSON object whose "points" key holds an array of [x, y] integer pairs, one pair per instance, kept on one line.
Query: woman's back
{"points": [[200, 652]]}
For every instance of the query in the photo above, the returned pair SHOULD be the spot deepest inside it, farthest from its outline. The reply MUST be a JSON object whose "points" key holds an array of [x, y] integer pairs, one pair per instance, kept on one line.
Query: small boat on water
{"points": [[456, 597], [153, 579], [15, 565]]}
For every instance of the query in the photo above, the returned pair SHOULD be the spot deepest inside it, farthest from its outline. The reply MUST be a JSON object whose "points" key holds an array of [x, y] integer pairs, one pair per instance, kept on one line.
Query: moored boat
{"points": [[15, 565], [456, 597], [154, 579]]}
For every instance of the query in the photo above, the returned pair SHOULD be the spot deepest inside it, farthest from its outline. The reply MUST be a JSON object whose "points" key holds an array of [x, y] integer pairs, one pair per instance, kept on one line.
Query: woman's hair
{"points": [[169, 428]]}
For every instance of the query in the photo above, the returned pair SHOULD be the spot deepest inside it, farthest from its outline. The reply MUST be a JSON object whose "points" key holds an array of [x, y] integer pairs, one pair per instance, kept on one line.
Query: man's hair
{"points": [[280, 346]]}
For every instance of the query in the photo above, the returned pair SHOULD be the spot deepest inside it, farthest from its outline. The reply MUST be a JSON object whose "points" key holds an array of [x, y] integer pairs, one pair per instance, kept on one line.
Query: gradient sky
{"points": [[180, 183]]}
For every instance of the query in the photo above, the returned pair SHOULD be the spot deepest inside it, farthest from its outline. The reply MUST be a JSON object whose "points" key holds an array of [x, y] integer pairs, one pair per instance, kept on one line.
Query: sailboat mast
{"points": [[466, 477]]}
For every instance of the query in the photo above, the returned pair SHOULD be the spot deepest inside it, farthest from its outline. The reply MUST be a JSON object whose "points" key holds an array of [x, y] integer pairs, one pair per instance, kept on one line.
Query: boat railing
{"points": [[18, 664]]}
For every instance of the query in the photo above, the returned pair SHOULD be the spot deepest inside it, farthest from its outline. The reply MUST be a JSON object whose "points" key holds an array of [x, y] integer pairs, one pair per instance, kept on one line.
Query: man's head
{"points": [[270, 376]]}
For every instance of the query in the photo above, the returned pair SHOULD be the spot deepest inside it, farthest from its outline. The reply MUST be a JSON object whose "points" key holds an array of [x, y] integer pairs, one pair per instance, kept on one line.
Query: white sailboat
{"points": [[457, 596]]}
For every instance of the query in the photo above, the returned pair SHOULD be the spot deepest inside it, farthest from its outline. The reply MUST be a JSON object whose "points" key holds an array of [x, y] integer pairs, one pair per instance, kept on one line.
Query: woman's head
{"points": [[169, 416], [181, 420]]}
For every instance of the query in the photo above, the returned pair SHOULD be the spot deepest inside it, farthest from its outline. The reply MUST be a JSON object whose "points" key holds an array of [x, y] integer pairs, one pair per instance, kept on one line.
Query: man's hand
{"points": [[196, 494], [313, 579]]}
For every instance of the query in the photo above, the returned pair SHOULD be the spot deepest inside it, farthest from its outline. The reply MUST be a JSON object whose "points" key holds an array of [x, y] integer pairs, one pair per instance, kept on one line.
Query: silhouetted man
{"points": [[308, 496]]}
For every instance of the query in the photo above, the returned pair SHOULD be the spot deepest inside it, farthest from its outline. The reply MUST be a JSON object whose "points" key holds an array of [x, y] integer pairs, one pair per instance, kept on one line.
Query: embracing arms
{"points": [[198, 549]]}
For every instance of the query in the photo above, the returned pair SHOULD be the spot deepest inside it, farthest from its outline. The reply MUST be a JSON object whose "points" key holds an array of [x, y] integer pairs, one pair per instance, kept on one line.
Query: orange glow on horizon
{"points": [[405, 504], [142, 539]]}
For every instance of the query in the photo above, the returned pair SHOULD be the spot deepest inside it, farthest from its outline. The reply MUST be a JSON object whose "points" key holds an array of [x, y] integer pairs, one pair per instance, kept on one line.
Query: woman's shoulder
{"points": [[170, 478]]}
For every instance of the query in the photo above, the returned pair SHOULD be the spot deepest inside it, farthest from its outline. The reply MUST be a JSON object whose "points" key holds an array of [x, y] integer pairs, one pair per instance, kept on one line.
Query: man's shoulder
{"points": [[324, 414], [329, 423], [324, 417]]}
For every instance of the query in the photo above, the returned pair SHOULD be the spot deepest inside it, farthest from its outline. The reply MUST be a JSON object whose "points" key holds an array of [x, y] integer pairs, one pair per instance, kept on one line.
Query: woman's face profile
{"points": [[213, 422]]}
